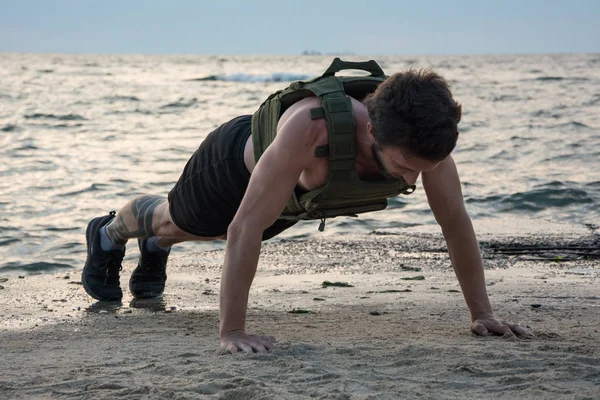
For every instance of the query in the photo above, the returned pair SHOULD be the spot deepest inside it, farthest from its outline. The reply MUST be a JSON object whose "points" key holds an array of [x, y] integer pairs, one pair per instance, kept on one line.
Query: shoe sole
{"points": [[145, 295], [88, 290]]}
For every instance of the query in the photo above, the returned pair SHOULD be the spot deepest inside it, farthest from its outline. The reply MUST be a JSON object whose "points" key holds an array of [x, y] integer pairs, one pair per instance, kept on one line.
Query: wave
{"points": [[507, 97], [120, 98], [181, 103], [572, 124], [274, 77], [550, 78], [545, 114], [66, 126], [474, 148], [67, 117], [561, 78], [6, 242], [39, 267], [561, 157], [64, 246], [594, 185], [136, 111], [10, 128], [551, 195], [503, 155], [593, 101], [26, 147], [92, 188], [57, 229], [58, 126], [118, 180]]}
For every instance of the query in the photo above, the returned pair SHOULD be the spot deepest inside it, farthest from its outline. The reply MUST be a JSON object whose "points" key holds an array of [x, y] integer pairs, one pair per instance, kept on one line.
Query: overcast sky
{"points": [[370, 27]]}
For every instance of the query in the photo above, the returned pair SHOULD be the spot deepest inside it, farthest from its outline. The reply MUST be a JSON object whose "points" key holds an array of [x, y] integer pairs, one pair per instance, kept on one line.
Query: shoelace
{"points": [[112, 269], [154, 267]]}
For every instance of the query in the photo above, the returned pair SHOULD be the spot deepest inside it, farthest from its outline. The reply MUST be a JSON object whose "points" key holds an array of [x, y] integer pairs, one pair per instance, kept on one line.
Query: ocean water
{"points": [[82, 134]]}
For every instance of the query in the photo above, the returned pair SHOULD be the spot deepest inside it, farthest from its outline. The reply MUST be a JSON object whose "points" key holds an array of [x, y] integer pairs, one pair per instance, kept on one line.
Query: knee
{"points": [[163, 224]]}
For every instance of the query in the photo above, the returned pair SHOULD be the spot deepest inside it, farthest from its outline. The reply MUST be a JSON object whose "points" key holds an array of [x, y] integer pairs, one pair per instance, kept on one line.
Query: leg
{"points": [[147, 216], [135, 219], [149, 219], [217, 168]]}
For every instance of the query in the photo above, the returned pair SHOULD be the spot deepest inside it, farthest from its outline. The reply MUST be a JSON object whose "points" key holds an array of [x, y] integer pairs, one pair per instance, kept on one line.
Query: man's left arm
{"points": [[444, 194]]}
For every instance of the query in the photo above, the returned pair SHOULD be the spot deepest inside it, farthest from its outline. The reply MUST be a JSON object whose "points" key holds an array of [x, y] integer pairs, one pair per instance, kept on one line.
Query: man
{"points": [[327, 147]]}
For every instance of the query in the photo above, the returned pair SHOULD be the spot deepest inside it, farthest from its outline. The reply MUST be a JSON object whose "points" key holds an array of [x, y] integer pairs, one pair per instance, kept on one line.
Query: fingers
{"points": [[269, 345], [485, 327], [259, 348], [270, 339], [245, 347], [500, 329], [262, 344], [268, 342], [248, 344], [479, 329], [495, 326], [520, 330], [232, 349], [254, 347]]}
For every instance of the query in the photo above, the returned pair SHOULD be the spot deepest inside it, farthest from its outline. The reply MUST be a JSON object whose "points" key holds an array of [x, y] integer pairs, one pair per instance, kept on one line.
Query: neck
{"points": [[365, 163]]}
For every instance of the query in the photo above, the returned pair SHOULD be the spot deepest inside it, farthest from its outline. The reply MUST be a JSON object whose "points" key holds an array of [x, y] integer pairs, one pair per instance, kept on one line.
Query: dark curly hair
{"points": [[414, 110]]}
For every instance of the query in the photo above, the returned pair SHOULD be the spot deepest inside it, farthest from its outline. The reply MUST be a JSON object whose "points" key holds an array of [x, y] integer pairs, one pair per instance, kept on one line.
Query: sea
{"points": [[81, 135]]}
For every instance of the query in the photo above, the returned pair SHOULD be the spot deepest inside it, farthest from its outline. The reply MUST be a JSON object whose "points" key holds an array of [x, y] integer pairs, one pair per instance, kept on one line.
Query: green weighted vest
{"points": [[344, 193]]}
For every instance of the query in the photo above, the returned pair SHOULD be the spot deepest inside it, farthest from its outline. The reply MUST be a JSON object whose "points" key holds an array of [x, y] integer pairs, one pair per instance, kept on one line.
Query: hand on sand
{"points": [[491, 325], [237, 341]]}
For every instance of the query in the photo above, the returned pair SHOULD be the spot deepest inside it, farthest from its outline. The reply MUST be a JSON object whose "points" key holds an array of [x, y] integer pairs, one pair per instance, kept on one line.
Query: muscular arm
{"points": [[442, 186], [271, 185], [444, 194]]}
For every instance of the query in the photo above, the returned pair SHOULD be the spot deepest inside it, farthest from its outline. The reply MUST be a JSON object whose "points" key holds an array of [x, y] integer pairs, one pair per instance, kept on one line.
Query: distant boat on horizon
{"points": [[318, 53]]}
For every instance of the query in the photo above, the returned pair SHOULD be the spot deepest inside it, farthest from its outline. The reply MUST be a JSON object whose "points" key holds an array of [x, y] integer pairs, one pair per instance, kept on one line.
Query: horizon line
{"points": [[327, 54]]}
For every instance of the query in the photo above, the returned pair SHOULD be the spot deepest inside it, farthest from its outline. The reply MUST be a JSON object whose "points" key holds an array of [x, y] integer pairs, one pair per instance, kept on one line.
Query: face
{"points": [[393, 163]]}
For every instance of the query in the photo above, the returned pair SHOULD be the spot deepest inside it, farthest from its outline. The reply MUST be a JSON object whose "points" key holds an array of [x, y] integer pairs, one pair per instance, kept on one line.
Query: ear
{"points": [[370, 130]]}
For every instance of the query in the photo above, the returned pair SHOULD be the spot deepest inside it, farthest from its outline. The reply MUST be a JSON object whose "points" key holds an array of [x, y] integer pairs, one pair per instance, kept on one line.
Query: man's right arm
{"points": [[271, 184]]}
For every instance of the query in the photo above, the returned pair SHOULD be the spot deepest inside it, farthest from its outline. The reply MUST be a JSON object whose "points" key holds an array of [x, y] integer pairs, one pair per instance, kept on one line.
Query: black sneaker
{"points": [[100, 276], [149, 277]]}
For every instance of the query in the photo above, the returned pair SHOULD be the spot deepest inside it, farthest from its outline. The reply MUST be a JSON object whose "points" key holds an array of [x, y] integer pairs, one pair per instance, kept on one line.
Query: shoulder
{"points": [[361, 114], [443, 180], [444, 169], [443, 189], [296, 121]]}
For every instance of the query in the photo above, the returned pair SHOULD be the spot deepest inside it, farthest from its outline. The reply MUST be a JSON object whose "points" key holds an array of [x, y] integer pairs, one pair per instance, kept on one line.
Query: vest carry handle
{"points": [[369, 66]]}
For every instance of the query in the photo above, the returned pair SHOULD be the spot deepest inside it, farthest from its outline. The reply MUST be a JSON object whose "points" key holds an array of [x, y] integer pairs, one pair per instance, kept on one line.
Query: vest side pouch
{"points": [[348, 211]]}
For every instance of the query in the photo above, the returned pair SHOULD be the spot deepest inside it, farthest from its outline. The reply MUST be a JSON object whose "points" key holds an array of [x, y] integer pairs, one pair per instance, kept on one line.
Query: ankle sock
{"points": [[107, 244], [152, 245]]}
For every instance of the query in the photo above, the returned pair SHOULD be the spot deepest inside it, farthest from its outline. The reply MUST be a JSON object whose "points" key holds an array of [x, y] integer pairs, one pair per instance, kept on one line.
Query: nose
{"points": [[410, 177]]}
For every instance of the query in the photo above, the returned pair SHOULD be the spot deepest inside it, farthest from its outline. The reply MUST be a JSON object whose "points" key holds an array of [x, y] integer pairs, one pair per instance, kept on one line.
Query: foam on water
{"points": [[82, 134], [240, 77]]}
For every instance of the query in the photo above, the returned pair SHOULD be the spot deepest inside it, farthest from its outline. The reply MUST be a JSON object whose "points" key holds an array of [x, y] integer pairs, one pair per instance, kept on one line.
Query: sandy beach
{"points": [[399, 330]]}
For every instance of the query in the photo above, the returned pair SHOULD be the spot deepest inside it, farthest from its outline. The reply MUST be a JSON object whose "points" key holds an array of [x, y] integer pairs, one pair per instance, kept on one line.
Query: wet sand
{"points": [[385, 337]]}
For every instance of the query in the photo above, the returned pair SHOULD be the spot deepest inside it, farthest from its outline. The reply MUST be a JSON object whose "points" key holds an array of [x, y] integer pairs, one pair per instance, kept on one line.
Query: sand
{"points": [[383, 338]]}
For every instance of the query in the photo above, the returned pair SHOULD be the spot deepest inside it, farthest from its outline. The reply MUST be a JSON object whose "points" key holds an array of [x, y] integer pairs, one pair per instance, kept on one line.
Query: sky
{"points": [[289, 27]]}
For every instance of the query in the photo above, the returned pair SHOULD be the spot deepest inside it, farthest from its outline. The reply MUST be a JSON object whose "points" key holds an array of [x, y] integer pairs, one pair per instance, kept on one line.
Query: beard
{"points": [[376, 151]]}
